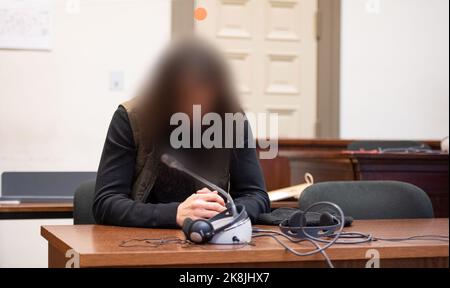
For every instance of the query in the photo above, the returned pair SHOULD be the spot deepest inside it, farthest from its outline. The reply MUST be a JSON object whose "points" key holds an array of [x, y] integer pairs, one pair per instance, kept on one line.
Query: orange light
{"points": [[200, 14]]}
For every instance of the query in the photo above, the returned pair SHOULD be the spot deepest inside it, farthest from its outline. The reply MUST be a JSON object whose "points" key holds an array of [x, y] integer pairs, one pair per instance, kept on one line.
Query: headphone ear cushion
{"points": [[187, 224], [297, 219], [200, 231]]}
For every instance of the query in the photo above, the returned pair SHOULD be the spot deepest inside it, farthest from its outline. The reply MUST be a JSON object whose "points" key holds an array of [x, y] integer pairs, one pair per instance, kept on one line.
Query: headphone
{"points": [[202, 231], [298, 227]]}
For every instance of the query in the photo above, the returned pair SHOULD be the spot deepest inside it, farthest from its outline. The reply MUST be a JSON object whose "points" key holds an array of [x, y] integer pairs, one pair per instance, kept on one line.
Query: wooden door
{"points": [[271, 46]]}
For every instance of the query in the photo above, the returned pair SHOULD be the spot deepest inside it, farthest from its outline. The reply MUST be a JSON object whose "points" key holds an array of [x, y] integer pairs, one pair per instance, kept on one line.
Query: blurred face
{"points": [[194, 91]]}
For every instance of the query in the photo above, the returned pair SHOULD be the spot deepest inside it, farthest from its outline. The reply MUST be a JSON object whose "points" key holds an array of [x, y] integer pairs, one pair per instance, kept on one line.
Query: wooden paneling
{"points": [[325, 160], [276, 173], [323, 165], [329, 144], [429, 172]]}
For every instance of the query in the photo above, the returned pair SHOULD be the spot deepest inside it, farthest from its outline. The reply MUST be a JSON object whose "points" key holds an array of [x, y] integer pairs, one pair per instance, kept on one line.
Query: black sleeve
{"points": [[112, 204], [247, 185]]}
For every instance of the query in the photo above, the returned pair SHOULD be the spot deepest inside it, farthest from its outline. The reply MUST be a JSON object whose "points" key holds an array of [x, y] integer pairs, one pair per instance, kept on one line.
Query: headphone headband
{"points": [[201, 231], [303, 232]]}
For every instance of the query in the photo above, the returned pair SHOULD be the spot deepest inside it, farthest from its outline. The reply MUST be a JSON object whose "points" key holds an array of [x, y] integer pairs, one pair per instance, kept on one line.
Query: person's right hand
{"points": [[202, 205]]}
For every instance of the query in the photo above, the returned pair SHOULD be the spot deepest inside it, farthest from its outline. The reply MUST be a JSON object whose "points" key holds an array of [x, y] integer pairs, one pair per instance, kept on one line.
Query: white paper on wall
{"points": [[25, 24]]}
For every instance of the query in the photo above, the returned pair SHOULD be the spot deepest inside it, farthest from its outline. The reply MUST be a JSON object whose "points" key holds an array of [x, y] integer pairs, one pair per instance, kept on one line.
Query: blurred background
{"points": [[332, 69], [350, 69]]}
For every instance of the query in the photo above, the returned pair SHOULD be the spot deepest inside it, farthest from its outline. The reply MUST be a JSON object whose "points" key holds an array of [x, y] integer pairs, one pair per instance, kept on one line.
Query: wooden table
{"points": [[99, 246], [36, 210]]}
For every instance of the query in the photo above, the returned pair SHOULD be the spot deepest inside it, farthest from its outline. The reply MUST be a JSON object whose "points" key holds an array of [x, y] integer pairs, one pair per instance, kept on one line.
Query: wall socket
{"points": [[73, 7], [373, 6], [116, 80]]}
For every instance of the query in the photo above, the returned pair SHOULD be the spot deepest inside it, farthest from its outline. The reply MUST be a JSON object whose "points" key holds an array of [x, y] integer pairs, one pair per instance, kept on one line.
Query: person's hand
{"points": [[202, 205]]}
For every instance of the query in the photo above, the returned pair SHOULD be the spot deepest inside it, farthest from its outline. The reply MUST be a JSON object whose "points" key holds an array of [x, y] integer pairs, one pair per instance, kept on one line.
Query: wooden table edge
{"points": [[92, 260], [142, 259], [36, 207], [54, 241]]}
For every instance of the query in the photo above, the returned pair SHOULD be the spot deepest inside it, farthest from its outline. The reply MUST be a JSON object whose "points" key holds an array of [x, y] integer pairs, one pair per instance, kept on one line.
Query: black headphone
{"points": [[202, 231], [297, 227]]}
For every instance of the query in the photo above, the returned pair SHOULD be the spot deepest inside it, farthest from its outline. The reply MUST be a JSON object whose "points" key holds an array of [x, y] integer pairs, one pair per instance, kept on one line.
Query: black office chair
{"points": [[82, 204], [371, 199], [383, 145]]}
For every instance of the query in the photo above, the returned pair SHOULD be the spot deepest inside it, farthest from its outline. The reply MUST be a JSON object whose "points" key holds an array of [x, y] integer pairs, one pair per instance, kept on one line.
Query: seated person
{"points": [[134, 188]]}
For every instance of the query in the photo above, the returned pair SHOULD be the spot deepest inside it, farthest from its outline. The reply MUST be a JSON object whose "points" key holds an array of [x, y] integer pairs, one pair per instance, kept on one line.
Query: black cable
{"points": [[293, 240], [309, 238], [291, 250], [415, 238], [157, 242], [152, 242], [355, 238], [339, 237]]}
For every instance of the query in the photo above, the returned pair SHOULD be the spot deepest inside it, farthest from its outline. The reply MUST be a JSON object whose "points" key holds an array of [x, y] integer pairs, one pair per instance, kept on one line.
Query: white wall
{"points": [[55, 106], [21, 243], [395, 69]]}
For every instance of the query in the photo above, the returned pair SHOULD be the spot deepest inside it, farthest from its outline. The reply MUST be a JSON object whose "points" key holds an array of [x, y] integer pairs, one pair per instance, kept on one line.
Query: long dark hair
{"points": [[186, 57]]}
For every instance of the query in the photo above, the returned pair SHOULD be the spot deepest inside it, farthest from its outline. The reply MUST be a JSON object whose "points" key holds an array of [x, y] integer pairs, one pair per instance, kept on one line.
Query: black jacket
{"points": [[113, 205]]}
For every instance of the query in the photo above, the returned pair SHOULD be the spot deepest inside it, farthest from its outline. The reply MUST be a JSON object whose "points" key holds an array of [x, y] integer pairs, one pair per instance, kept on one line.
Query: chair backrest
{"points": [[371, 199], [82, 204], [375, 145]]}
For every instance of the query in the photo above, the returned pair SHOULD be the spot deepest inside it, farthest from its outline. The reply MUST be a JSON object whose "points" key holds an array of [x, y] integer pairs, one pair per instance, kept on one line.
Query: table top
{"points": [[36, 207], [337, 154], [101, 245]]}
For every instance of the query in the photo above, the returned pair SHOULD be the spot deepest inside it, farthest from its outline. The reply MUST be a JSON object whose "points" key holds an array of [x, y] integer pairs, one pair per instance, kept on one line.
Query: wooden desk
{"points": [[99, 246], [427, 171], [330, 144], [36, 210]]}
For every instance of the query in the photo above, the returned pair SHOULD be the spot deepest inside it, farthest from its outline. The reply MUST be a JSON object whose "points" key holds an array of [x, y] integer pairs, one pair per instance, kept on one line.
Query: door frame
{"points": [[182, 18], [328, 62], [328, 69]]}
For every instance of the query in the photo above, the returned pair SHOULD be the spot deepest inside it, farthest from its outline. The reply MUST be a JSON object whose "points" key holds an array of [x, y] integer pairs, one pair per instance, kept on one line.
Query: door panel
{"points": [[272, 50]]}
